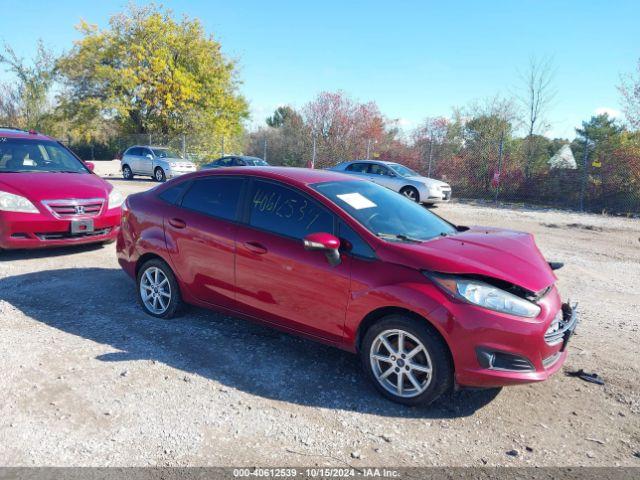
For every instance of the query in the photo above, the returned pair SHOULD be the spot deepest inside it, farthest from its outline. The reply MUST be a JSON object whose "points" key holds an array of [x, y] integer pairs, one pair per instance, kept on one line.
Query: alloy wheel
{"points": [[401, 363], [159, 175], [410, 194], [155, 290]]}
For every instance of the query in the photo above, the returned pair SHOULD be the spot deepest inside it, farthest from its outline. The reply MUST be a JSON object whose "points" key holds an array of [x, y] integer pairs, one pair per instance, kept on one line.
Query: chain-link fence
{"points": [[578, 176], [198, 148]]}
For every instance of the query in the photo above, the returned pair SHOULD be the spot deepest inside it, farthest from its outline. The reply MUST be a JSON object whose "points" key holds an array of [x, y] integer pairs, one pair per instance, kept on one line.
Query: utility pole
{"points": [[222, 146], [313, 154], [500, 149], [264, 155], [585, 168], [430, 157], [368, 148]]}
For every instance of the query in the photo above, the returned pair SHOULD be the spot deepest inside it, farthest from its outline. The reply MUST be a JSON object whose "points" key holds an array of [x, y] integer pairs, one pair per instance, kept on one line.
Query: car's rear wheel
{"points": [[127, 174], [158, 291], [411, 193], [406, 360], [159, 175]]}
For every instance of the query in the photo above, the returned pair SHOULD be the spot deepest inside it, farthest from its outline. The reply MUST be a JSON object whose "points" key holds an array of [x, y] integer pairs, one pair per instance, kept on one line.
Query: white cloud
{"points": [[612, 112]]}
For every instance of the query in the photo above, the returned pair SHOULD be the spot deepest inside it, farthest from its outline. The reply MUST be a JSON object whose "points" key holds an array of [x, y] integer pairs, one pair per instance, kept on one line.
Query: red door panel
{"points": [[279, 281], [203, 254]]}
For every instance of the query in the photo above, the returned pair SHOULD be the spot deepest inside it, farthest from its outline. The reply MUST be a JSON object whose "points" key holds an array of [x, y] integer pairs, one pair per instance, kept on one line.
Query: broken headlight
{"points": [[485, 295]]}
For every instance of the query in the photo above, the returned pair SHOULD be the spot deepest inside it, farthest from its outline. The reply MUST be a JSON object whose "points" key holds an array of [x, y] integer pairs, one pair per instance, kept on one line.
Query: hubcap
{"points": [[410, 194], [155, 290], [400, 363], [158, 175]]}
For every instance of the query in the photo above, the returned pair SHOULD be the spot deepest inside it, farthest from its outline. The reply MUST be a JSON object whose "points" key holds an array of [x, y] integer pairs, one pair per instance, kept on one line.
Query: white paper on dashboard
{"points": [[356, 200]]}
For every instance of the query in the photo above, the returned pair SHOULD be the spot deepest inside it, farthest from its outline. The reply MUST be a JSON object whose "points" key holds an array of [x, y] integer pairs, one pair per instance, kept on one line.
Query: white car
{"points": [[400, 179], [159, 163]]}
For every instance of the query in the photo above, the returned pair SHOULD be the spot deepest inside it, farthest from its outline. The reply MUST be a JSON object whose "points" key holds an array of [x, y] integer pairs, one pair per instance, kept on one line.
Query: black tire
{"points": [[176, 304], [411, 193], [159, 175], [127, 174], [441, 365]]}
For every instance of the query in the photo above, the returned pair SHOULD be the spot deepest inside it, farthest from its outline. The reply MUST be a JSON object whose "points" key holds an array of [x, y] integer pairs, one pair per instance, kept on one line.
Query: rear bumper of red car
{"points": [[37, 230]]}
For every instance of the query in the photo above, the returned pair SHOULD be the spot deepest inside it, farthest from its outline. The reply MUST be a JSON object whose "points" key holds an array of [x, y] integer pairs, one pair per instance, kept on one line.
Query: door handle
{"points": [[255, 247], [177, 223]]}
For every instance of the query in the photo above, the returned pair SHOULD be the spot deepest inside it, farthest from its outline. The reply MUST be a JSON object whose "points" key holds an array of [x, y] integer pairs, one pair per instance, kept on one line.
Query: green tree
{"points": [[25, 101], [151, 73], [281, 116]]}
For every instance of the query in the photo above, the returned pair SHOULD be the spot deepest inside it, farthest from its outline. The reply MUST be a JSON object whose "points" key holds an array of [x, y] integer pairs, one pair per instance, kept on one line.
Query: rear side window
{"points": [[357, 167], [133, 151], [284, 211], [217, 197], [172, 195]]}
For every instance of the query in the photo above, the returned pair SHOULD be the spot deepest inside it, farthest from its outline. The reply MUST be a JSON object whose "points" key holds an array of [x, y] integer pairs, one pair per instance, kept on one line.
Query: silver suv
{"points": [[159, 163]]}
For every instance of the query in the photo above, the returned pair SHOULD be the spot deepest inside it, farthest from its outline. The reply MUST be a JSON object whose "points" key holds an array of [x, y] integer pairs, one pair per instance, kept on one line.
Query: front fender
{"points": [[420, 298]]}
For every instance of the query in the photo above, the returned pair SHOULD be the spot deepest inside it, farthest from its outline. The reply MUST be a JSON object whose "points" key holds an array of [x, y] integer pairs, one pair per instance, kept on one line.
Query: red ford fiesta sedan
{"points": [[426, 304], [49, 197]]}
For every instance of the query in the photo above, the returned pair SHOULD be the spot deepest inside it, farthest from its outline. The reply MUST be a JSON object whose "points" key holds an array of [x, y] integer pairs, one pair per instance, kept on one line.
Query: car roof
{"points": [[293, 175], [9, 132], [364, 160]]}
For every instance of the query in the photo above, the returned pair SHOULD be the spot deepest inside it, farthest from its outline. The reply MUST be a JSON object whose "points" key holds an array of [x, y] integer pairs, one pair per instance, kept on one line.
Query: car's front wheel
{"points": [[158, 291], [406, 360], [411, 193], [159, 174], [127, 174]]}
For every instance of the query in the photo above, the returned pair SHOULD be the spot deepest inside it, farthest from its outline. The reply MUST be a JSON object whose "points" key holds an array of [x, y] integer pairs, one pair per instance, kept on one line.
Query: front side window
{"points": [[214, 196], [22, 155], [258, 162], [354, 243], [238, 162], [384, 212], [284, 211], [164, 153]]}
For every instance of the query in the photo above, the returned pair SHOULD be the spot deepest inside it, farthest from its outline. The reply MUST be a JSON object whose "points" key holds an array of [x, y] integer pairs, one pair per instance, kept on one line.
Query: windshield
{"points": [[165, 153], [25, 155], [402, 170], [384, 212]]}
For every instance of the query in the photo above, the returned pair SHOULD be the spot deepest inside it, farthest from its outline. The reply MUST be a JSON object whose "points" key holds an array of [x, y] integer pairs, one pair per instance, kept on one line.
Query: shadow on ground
{"points": [[8, 255], [100, 305]]}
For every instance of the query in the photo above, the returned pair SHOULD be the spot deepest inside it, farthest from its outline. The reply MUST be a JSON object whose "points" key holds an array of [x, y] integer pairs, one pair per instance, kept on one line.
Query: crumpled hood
{"points": [[503, 254], [54, 186]]}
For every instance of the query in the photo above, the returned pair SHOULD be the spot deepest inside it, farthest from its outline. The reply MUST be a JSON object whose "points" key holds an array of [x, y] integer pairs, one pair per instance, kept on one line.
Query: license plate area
{"points": [[81, 226]]}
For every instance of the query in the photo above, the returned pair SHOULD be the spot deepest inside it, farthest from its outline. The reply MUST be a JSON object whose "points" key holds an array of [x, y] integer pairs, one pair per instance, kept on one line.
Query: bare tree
{"points": [[536, 98], [629, 89]]}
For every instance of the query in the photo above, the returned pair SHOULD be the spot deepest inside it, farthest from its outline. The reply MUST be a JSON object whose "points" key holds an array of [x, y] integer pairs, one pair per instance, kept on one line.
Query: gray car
{"points": [[159, 163], [236, 161], [398, 178]]}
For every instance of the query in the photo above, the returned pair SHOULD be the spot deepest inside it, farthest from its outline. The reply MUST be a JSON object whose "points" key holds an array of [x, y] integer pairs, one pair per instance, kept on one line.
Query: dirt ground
{"points": [[88, 379]]}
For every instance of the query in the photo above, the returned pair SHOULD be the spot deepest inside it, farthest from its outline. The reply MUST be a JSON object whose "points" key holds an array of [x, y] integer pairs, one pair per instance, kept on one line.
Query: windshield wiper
{"points": [[399, 236]]}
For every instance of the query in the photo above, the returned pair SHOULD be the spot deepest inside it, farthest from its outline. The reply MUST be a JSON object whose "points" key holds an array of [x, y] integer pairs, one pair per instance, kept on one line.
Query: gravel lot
{"points": [[88, 379]]}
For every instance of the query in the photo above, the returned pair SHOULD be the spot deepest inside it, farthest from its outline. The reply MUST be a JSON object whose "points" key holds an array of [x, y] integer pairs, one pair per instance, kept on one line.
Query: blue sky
{"points": [[415, 59]]}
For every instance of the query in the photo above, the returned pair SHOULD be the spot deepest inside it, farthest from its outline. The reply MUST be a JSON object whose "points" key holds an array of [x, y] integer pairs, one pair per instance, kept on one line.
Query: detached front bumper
{"points": [[39, 230], [492, 350]]}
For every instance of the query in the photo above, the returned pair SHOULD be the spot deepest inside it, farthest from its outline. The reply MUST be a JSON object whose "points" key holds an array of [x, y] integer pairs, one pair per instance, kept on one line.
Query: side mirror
{"points": [[90, 165], [149, 156], [327, 243]]}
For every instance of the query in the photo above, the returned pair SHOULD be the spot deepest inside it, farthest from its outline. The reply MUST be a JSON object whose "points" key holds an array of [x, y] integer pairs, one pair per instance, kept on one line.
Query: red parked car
{"points": [[49, 197], [425, 303]]}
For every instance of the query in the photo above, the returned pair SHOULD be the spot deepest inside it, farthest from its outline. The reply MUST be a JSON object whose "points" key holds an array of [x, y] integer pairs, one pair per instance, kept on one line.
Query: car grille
{"points": [[72, 207], [64, 235], [564, 320]]}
